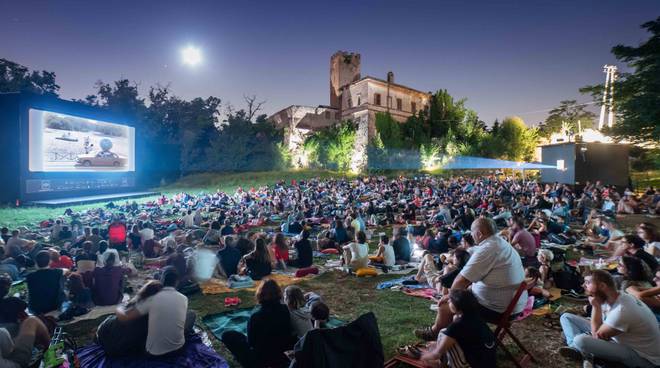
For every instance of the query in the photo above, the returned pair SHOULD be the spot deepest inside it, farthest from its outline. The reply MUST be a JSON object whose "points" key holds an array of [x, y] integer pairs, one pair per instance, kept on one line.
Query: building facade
{"points": [[352, 97]]}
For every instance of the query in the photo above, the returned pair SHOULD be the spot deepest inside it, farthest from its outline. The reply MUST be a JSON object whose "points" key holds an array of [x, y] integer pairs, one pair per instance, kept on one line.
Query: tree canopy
{"points": [[17, 78], [569, 112]]}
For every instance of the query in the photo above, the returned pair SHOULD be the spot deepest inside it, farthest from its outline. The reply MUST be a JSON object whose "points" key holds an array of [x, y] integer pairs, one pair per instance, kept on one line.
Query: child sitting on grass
{"points": [[535, 283], [385, 255], [545, 257]]}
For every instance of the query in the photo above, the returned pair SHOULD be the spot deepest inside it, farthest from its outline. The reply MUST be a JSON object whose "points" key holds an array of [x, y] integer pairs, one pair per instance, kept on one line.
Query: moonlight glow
{"points": [[191, 55]]}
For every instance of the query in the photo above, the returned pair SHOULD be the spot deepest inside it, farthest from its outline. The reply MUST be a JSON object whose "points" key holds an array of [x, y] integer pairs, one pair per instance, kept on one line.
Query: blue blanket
{"points": [[400, 281], [195, 354]]}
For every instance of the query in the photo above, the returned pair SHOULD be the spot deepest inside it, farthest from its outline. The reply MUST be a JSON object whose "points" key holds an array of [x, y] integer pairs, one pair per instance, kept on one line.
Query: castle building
{"points": [[352, 97]]}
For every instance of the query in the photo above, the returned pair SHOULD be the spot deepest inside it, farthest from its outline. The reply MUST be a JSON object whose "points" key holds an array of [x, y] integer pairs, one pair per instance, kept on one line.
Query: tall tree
{"points": [[569, 112], [17, 78], [637, 94], [512, 141]]}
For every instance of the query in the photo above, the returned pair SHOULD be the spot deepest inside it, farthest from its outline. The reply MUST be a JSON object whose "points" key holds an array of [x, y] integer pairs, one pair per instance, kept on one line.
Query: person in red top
{"points": [[59, 261], [280, 250], [117, 235]]}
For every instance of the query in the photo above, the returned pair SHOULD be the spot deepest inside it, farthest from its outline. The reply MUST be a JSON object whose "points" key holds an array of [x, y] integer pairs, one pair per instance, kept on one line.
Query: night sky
{"points": [[506, 57]]}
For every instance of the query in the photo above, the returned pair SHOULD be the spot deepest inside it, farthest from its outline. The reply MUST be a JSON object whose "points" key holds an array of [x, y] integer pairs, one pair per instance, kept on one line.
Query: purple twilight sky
{"points": [[506, 57]]}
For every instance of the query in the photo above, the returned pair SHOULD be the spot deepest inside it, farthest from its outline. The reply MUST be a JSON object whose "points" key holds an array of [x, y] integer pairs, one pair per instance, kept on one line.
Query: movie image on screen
{"points": [[66, 143]]}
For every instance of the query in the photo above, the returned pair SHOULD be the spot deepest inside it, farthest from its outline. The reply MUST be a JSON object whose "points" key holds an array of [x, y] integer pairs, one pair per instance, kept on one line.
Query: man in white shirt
{"points": [[622, 329], [147, 233], [495, 272], [169, 319], [189, 219]]}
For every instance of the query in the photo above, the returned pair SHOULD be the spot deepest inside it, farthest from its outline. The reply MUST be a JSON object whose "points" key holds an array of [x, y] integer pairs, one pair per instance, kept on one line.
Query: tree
{"points": [[636, 94], [333, 147], [569, 112], [444, 113], [17, 78], [121, 97], [389, 130], [513, 141]]}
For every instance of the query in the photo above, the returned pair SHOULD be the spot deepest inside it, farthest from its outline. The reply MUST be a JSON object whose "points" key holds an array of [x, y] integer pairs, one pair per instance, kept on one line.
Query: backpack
{"points": [[560, 239], [568, 278]]}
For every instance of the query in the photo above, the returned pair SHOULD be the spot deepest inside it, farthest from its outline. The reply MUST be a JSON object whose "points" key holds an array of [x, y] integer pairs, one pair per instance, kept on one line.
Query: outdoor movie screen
{"points": [[66, 143]]}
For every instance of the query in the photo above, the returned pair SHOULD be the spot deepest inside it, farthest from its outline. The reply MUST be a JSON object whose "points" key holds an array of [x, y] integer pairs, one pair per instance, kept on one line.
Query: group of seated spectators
{"points": [[474, 240]]}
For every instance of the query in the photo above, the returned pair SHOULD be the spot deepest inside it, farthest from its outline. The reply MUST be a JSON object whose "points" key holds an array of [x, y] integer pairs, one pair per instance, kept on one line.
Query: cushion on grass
{"points": [[302, 272], [330, 251], [367, 271]]}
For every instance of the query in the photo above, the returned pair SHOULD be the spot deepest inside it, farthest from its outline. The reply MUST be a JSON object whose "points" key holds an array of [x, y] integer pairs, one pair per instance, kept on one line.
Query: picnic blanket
{"points": [[237, 320], [400, 282], [217, 286], [420, 293], [195, 354]]}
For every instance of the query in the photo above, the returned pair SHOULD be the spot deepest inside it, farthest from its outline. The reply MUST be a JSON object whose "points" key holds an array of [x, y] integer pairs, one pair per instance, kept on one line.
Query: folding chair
{"points": [[402, 359], [503, 328]]}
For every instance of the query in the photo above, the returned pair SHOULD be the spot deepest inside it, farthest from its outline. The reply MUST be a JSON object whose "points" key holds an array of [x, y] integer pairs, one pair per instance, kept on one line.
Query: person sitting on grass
{"points": [[545, 257], [59, 261], [428, 272], [649, 295], [12, 309], [257, 264], [635, 273], [228, 258], [45, 286], [299, 307], [534, 282], [384, 257], [108, 281], [356, 254], [401, 247], [127, 338], [320, 314], [457, 260], [467, 243], [633, 245], [494, 271], [303, 250], [269, 332], [648, 232], [16, 352], [280, 251], [213, 235], [169, 318], [467, 341], [79, 294], [622, 329]]}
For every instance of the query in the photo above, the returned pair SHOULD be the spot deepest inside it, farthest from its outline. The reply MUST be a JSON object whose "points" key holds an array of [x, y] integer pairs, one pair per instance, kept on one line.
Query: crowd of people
{"points": [[472, 239]]}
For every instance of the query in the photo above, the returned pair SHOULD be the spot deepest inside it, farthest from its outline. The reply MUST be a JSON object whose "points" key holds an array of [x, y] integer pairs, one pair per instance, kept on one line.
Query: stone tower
{"points": [[344, 70]]}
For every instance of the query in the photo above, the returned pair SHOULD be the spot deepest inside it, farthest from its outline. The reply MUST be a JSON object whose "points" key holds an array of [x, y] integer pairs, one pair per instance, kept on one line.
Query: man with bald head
{"points": [[495, 272]]}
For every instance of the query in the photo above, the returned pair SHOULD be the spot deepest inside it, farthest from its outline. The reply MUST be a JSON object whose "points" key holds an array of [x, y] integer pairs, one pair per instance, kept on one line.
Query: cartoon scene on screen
{"points": [[73, 143]]}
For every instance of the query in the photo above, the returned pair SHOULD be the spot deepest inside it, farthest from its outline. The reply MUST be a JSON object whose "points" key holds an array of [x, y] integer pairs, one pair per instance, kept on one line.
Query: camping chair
{"points": [[503, 328]]}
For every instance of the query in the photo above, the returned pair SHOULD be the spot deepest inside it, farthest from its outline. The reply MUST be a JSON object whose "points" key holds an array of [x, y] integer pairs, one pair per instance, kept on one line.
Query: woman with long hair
{"points": [[257, 264], [635, 273], [280, 251], [269, 332]]}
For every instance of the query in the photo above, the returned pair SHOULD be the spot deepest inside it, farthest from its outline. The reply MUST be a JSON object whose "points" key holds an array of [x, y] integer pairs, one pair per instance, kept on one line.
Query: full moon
{"points": [[191, 55]]}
